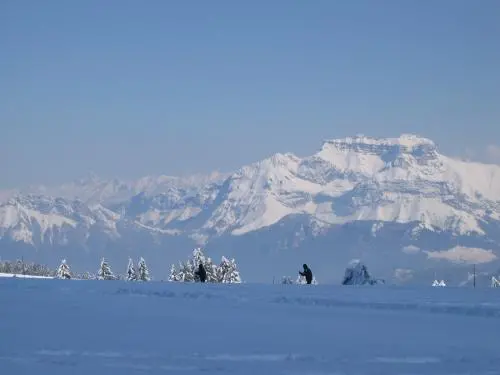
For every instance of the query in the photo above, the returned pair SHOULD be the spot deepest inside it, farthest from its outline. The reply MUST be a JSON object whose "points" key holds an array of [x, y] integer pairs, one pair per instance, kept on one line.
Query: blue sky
{"points": [[126, 88]]}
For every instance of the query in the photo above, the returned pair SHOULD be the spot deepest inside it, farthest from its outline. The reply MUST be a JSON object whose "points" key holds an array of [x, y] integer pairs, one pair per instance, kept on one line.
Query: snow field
{"points": [[24, 276], [119, 327]]}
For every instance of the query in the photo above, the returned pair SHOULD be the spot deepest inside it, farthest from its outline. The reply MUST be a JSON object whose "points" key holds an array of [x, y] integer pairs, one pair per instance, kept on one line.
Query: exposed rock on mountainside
{"points": [[357, 273]]}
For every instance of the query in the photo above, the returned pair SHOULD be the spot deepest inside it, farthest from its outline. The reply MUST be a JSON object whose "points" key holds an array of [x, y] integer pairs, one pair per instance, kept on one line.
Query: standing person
{"points": [[307, 273], [202, 273]]}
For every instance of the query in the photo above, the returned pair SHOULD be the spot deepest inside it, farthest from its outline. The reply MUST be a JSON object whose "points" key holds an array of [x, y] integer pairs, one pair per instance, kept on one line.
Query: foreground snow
{"points": [[24, 276], [115, 327]]}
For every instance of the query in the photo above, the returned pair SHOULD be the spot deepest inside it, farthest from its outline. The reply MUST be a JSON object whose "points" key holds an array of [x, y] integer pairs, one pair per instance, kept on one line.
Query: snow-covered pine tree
{"points": [[222, 268], [131, 274], [495, 283], [63, 271], [143, 270], [438, 283], [199, 257], [227, 272], [19, 267], [6, 267], [105, 272], [211, 270], [302, 280], [174, 275], [186, 271]]}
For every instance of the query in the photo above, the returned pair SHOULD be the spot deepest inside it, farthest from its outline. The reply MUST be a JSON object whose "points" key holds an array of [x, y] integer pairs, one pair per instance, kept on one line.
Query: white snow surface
{"points": [[118, 327], [24, 276]]}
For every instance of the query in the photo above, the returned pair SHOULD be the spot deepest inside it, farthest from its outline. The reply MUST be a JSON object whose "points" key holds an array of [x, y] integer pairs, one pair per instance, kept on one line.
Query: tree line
{"points": [[225, 272], [19, 267]]}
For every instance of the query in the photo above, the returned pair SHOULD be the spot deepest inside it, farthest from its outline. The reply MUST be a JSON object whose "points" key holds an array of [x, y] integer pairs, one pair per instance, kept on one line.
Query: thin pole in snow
{"points": [[474, 275]]}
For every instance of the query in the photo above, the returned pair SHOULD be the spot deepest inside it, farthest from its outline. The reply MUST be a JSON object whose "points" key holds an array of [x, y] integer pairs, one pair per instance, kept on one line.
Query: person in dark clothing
{"points": [[201, 273], [307, 274]]}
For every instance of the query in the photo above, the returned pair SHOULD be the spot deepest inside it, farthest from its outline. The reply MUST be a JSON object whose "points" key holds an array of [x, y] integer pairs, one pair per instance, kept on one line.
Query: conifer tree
{"points": [[63, 271], [211, 269], [174, 275], [143, 270], [186, 271], [227, 272], [131, 274], [105, 272], [495, 283], [302, 280]]}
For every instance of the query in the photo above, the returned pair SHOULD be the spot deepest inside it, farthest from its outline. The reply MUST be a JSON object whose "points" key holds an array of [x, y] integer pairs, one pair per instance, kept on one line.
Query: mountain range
{"points": [[398, 204]]}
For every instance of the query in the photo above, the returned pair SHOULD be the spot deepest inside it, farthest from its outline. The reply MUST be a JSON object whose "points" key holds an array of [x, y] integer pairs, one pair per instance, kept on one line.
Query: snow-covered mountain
{"points": [[396, 203], [92, 189]]}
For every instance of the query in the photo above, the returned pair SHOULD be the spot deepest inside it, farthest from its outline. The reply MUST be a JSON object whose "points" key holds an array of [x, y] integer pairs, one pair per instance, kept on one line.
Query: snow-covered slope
{"points": [[38, 219], [398, 192], [389, 180], [92, 189], [129, 328]]}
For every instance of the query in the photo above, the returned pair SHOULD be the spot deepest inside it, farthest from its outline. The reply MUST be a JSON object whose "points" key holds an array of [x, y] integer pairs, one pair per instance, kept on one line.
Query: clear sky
{"points": [[129, 88]]}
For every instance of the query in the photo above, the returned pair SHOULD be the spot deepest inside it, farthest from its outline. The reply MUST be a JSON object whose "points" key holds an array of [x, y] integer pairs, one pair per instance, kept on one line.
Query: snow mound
{"points": [[438, 283], [356, 273]]}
